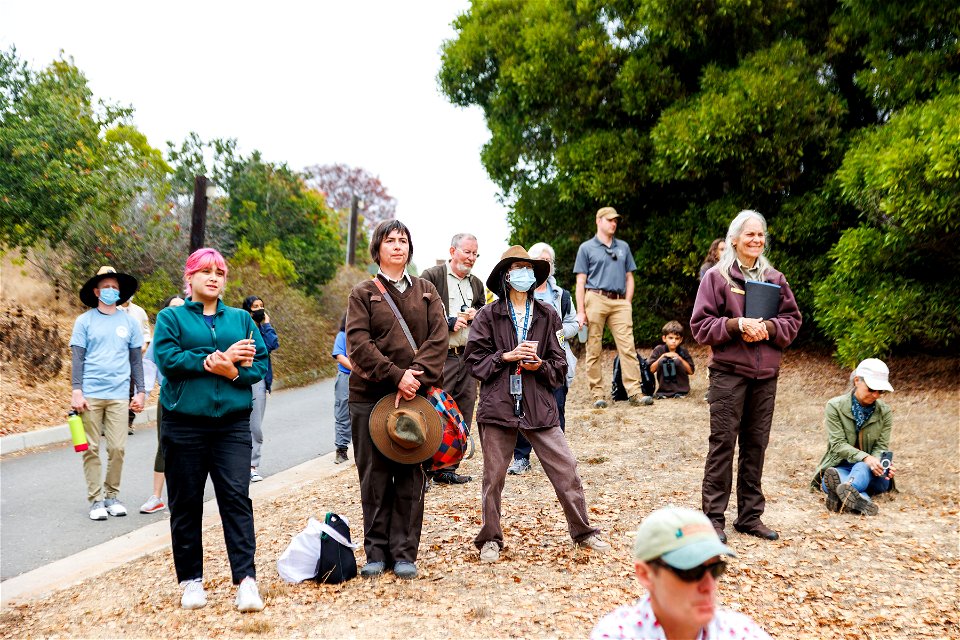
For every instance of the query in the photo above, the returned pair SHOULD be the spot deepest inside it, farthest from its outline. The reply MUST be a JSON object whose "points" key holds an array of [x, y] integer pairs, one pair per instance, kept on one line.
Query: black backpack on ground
{"points": [[337, 563], [647, 382]]}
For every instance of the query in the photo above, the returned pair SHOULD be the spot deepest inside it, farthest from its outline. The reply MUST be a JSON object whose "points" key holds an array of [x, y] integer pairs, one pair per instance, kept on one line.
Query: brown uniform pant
{"points": [[558, 462], [391, 495], [741, 411]]}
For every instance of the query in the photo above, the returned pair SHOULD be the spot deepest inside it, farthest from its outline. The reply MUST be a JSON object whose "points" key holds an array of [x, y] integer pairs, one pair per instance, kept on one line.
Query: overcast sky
{"points": [[305, 83]]}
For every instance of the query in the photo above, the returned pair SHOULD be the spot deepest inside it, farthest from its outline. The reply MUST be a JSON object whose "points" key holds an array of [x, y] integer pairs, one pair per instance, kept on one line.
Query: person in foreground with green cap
{"points": [[678, 558]]}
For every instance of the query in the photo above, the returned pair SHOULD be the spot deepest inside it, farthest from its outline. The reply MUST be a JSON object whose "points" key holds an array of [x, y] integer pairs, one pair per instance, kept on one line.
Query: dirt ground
{"points": [[896, 575]]}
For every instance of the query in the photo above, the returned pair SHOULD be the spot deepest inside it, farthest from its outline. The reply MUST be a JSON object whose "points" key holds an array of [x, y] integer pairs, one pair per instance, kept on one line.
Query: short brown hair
{"points": [[384, 229], [672, 327]]}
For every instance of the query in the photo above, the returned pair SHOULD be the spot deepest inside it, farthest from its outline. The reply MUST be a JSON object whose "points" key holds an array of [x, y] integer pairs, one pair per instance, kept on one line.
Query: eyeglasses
{"points": [[696, 574], [612, 254], [473, 254]]}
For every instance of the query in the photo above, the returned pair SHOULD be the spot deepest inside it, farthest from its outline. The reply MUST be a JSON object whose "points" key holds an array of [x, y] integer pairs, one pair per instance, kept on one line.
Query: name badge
{"points": [[740, 291], [516, 385]]}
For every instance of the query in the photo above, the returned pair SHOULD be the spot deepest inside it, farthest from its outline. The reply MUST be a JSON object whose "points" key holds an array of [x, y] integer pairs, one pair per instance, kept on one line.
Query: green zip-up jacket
{"points": [[844, 444], [181, 342]]}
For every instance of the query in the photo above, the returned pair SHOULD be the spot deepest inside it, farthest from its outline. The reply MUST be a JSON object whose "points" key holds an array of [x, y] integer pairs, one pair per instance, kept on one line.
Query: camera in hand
{"points": [[669, 369]]}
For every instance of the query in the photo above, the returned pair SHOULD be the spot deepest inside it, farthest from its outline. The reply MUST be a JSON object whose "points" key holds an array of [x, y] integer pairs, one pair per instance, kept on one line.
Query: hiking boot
{"points": [[115, 507], [600, 404], [341, 455], [98, 511], [450, 477], [831, 479], [594, 542], [637, 400], [490, 552], [851, 500], [152, 505], [372, 569], [255, 476], [518, 466], [248, 596], [405, 570], [194, 597]]}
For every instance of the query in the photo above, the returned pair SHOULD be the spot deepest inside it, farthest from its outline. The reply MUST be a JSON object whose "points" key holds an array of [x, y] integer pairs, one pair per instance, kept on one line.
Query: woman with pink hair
{"points": [[210, 356]]}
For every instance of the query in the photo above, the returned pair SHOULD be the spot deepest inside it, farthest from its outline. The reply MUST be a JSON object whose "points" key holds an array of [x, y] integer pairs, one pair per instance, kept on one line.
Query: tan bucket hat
{"points": [[410, 433]]}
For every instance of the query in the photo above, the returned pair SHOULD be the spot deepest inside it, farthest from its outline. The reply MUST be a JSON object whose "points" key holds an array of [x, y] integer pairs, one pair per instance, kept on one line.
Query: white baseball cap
{"points": [[875, 374]]}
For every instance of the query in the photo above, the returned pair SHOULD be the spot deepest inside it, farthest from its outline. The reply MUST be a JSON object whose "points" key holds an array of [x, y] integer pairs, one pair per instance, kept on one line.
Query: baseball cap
{"points": [[681, 537], [608, 213], [875, 373]]}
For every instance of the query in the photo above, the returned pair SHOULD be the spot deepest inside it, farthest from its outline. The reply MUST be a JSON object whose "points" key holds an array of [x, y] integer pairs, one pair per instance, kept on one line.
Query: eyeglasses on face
{"points": [[612, 254], [472, 254], [696, 574]]}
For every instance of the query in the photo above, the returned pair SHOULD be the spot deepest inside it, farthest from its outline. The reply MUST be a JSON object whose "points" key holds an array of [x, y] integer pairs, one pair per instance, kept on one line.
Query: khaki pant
{"points": [[111, 417], [618, 315]]}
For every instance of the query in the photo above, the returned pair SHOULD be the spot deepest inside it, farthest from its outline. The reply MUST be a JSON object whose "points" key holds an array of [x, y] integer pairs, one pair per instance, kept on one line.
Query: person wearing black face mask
{"points": [[254, 306]]}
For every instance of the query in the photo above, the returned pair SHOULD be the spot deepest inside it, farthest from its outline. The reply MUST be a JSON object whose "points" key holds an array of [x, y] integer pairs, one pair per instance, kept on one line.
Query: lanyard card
{"points": [[516, 385]]}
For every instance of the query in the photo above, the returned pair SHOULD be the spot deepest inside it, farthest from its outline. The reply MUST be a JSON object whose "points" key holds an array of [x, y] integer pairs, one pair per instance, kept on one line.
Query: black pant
{"points": [[391, 494], [523, 448], [193, 448]]}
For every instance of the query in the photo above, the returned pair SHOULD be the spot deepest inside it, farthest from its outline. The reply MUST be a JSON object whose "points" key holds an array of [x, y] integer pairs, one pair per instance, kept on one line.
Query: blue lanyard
{"points": [[526, 317]]}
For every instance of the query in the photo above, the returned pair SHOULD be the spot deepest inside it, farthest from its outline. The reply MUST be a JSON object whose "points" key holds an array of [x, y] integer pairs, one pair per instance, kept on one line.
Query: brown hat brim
{"points": [[541, 269], [381, 438], [128, 287]]}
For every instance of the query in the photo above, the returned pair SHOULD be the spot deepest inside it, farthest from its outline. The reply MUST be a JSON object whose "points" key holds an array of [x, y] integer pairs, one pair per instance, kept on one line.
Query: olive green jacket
{"points": [[844, 444]]}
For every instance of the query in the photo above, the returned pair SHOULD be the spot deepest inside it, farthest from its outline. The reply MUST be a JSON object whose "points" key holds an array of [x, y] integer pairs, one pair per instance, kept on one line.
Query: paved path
{"points": [[43, 506]]}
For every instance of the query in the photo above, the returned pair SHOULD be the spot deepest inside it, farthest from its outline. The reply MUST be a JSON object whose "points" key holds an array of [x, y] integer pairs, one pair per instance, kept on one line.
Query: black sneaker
{"points": [[341, 456], [450, 477]]}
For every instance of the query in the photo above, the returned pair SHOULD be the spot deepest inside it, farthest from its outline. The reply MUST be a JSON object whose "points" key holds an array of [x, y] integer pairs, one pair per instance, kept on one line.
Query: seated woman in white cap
{"points": [[858, 428], [678, 559]]}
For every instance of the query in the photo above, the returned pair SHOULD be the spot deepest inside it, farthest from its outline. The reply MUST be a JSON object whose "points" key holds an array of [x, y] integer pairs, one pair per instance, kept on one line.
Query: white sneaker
{"points": [[152, 505], [98, 511], [115, 507], [194, 597], [595, 543], [248, 596], [490, 552], [255, 476]]}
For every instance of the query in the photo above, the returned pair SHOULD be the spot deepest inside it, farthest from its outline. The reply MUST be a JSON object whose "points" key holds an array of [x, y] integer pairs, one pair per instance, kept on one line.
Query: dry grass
{"points": [[830, 575]]}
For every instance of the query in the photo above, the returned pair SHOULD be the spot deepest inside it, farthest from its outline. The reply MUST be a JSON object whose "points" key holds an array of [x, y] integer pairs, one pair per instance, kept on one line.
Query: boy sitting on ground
{"points": [[672, 363]]}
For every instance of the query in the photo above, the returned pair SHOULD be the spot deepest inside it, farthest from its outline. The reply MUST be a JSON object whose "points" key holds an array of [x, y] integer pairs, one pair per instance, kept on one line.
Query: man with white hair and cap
{"points": [[858, 462], [678, 557]]}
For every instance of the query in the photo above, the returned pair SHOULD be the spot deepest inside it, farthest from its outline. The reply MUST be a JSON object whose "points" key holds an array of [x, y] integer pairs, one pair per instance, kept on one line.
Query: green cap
{"points": [[681, 537]]}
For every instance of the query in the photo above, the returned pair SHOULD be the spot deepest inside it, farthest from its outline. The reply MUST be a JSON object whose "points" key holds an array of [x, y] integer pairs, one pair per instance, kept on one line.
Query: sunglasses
{"points": [[696, 574], [612, 254], [880, 391]]}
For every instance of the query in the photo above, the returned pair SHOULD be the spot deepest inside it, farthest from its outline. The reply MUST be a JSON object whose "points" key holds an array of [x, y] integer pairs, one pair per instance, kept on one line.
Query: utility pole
{"points": [[352, 235], [198, 226]]}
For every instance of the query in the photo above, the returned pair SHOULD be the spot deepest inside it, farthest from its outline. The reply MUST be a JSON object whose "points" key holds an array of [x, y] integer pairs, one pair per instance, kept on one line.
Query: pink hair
{"points": [[200, 260]]}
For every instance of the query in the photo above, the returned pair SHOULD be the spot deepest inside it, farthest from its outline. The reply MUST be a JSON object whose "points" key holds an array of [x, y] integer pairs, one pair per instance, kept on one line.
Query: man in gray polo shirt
{"points": [[604, 269], [462, 295]]}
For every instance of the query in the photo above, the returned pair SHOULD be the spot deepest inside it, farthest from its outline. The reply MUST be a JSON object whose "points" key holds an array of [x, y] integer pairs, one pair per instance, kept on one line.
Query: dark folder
{"points": [[763, 300]]}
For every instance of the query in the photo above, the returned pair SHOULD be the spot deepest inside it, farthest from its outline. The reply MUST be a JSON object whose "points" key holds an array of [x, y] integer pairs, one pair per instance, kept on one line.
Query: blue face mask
{"points": [[109, 296], [522, 279]]}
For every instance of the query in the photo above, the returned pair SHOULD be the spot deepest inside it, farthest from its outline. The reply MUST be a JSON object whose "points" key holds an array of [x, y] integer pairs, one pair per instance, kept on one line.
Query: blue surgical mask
{"points": [[522, 279], [109, 296]]}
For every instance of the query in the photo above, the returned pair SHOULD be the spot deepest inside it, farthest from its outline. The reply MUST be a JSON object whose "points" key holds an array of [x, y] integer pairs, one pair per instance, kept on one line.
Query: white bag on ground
{"points": [[298, 562]]}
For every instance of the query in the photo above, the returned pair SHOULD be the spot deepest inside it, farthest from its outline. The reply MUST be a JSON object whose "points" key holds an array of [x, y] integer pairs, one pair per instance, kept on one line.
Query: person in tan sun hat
{"points": [[678, 558], [106, 354], [858, 462], [515, 352]]}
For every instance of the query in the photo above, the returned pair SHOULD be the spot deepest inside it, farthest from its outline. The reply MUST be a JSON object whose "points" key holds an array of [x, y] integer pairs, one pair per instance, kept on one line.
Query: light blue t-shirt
{"points": [[340, 349], [606, 267], [108, 340]]}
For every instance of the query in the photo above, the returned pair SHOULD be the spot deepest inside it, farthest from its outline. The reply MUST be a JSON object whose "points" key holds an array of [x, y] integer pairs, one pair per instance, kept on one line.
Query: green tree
{"points": [[681, 113]]}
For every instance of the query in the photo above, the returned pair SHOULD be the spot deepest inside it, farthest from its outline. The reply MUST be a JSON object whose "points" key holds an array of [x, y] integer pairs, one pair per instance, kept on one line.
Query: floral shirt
{"points": [[638, 621]]}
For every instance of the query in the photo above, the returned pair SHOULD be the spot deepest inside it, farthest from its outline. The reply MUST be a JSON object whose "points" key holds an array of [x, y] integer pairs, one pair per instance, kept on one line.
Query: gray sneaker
{"points": [[490, 552], [97, 511], [518, 466], [600, 404], [115, 507], [638, 400]]}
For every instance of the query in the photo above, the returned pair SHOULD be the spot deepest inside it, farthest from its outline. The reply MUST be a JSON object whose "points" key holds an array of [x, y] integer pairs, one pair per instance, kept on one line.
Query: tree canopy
{"points": [[836, 120]]}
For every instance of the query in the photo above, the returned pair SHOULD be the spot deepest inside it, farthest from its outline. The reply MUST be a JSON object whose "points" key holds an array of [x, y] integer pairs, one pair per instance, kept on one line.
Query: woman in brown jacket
{"points": [[385, 363], [515, 350]]}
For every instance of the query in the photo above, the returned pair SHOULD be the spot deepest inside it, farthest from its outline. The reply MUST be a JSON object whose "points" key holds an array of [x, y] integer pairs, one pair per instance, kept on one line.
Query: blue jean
{"points": [[523, 448], [862, 479], [341, 410]]}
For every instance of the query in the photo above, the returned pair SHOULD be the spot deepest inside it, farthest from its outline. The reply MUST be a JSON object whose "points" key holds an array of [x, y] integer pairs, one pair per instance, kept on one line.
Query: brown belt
{"points": [[613, 295]]}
